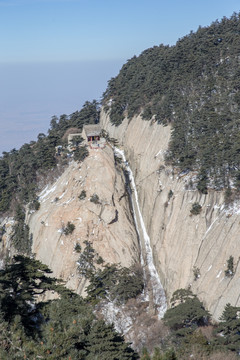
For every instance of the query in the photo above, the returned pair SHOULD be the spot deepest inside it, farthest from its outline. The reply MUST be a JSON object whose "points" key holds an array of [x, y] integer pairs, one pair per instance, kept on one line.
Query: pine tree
{"points": [[105, 344], [229, 328], [185, 317], [20, 284]]}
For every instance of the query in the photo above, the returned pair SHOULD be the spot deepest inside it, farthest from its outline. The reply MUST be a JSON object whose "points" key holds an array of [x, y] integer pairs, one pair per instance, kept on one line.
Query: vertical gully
{"points": [[154, 292]]}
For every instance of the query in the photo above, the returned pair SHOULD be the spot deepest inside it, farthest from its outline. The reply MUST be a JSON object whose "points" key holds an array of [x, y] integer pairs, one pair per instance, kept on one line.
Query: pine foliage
{"points": [[229, 328], [21, 169], [187, 313], [64, 328], [194, 86]]}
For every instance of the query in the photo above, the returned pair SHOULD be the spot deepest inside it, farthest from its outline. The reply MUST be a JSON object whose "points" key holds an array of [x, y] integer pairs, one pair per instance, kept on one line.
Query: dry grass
{"points": [[147, 331], [207, 332]]}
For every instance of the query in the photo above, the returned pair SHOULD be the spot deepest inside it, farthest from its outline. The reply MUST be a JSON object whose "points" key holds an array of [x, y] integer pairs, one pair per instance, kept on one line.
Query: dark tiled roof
{"points": [[92, 130]]}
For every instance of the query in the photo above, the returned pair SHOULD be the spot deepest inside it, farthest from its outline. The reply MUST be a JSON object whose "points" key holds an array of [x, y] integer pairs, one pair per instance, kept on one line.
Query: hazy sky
{"points": [[56, 54]]}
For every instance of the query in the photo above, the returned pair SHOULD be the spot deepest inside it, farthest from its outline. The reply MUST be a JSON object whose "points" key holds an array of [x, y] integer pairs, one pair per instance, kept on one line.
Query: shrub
{"points": [[170, 194], [189, 185], [230, 267], [69, 228], [82, 195], [2, 231], [166, 204], [99, 260], [86, 261], [113, 141], [196, 209], [78, 248], [95, 199], [80, 153], [202, 186], [104, 134], [117, 159], [196, 273], [34, 205]]}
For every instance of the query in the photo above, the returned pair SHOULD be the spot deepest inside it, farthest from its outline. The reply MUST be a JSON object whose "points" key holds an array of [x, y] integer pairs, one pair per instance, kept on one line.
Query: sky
{"points": [[57, 54]]}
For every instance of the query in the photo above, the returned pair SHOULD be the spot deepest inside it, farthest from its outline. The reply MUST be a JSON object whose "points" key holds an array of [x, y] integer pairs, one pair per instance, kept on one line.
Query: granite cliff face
{"points": [[107, 224], [190, 251]]}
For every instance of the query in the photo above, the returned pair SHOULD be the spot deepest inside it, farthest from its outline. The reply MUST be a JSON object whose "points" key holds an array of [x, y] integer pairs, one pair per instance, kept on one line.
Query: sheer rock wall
{"points": [[181, 242], [116, 242]]}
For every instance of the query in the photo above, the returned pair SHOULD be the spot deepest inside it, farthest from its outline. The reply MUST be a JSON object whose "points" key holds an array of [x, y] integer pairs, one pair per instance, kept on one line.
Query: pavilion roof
{"points": [[92, 130]]}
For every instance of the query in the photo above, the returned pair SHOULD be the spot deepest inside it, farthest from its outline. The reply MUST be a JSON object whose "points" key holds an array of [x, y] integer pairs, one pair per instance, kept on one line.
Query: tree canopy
{"points": [[194, 86], [64, 328], [20, 170]]}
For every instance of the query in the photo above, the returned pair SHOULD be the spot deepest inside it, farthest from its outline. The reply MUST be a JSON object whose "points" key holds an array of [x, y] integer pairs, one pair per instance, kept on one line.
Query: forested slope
{"points": [[20, 170], [194, 86]]}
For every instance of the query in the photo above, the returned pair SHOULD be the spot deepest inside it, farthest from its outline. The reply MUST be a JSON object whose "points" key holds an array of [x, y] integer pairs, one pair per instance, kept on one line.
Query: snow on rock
{"points": [[157, 291], [114, 314], [43, 195]]}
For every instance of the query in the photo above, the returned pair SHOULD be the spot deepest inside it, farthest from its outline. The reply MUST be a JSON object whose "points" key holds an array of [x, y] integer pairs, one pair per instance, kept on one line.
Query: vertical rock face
{"points": [[105, 221], [189, 250]]}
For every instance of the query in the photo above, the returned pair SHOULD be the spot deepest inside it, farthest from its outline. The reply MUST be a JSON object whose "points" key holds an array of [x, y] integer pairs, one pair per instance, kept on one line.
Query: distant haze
{"points": [[33, 93], [56, 54]]}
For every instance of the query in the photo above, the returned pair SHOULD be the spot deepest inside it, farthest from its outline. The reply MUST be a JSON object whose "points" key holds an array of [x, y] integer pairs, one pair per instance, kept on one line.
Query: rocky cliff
{"points": [[190, 251], [105, 221]]}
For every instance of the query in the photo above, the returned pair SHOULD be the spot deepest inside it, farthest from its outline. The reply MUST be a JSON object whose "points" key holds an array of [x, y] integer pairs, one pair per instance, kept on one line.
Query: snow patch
{"points": [[61, 196], [160, 151], [68, 201], [115, 315], [10, 222], [209, 228], [233, 209], [46, 192]]}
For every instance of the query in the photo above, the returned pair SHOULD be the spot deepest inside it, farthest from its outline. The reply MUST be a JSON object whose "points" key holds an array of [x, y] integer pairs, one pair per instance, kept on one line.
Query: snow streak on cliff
{"points": [[154, 292]]}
